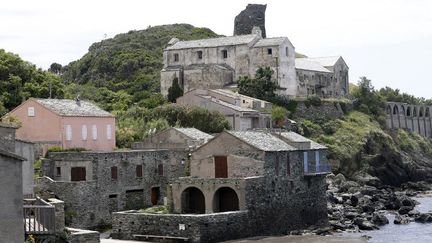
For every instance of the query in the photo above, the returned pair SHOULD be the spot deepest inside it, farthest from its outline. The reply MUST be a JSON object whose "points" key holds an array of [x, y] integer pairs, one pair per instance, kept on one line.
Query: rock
{"points": [[322, 231], [424, 218], [416, 186], [400, 219], [337, 225], [407, 201], [413, 213], [364, 224], [368, 208], [368, 190], [339, 179], [379, 219], [253, 15], [295, 232], [405, 209], [355, 199], [351, 215]]}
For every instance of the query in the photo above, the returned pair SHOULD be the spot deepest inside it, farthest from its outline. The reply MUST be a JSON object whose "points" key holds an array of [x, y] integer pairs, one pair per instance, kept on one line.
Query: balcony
{"points": [[39, 217]]}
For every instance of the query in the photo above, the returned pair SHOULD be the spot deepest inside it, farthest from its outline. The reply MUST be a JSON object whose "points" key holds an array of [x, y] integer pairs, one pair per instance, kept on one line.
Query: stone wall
{"points": [[28, 151], [7, 137], [415, 118], [82, 236], [90, 203], [325, 111]]}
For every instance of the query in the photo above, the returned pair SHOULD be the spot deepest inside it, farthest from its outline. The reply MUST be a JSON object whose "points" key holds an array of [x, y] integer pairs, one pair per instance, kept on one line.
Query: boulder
{"points": [[364, 224], [401, 219], [253, 15], [379, 219], [405, 209], [424, 218], [413, 213]]}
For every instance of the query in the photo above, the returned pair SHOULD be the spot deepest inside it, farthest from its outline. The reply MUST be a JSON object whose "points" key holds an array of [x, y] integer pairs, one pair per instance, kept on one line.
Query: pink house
{"points": [[66, 123]]}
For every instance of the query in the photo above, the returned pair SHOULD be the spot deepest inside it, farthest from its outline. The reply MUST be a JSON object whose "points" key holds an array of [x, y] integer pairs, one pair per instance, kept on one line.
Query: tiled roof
{"points": [[194, 133], [270, 42], [326, 61], [213, 42], [297, 138], [308, 64], [66, 107], [262, 140], [228, 105]]}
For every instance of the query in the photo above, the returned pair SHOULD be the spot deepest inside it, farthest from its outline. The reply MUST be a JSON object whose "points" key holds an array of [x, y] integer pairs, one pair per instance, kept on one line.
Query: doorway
{"points": [[221, 167], [155, 194]]}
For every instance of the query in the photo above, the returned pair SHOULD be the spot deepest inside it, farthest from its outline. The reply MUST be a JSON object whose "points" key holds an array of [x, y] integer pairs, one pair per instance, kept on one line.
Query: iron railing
{"points": [[39, 217]]}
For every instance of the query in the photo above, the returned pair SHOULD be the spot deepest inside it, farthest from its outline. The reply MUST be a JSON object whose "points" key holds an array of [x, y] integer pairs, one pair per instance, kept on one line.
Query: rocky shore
{"points": [[354, 207], [357, 206]]}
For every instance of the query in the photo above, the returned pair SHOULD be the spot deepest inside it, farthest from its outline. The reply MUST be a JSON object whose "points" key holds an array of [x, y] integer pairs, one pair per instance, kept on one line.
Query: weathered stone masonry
{"points": [[89, 203], [415, 118]]}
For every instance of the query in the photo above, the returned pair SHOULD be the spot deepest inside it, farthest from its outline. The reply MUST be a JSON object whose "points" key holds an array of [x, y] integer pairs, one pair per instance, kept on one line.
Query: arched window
{"points": [[427, 112], [415, 111], [388, 110], [225, 199], [402, 111], [421, 112], [193, 201]]}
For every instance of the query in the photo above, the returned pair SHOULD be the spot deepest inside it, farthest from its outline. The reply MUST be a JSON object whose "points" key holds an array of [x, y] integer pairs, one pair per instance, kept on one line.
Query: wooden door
{"points": [[155, 195], [78, 174], [221, 167]]}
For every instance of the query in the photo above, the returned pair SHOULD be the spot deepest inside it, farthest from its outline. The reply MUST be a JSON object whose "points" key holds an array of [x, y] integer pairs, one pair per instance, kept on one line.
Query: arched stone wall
{"points": [[415, 118]]}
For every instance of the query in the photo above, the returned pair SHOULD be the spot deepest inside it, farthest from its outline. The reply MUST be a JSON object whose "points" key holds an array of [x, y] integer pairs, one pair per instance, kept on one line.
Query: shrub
{"points": [[313, 100]]}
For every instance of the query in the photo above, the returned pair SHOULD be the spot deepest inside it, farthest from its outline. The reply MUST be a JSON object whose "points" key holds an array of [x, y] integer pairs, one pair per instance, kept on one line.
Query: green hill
{"points": [[131, 61]]}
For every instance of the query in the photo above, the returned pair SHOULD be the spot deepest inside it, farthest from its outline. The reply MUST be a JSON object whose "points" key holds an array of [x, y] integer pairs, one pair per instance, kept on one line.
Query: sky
{"points": [[388, 41]]}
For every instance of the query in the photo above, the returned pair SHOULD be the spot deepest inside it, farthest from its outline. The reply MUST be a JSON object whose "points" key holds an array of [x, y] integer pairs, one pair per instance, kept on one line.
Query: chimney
{"points": [[77, 100]]}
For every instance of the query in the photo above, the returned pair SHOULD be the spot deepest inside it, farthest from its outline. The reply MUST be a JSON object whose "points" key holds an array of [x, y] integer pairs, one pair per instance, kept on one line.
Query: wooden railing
{"points": [[39, 217]]}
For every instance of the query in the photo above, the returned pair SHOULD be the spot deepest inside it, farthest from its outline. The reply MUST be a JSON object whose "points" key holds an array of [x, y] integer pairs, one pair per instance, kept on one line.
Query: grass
{"points": [[159, 209]]}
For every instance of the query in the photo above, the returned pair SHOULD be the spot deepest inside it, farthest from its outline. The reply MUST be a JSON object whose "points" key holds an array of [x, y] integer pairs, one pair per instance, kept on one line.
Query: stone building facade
{"points": [[242, 112], [242, 183], [415, 118], [218, 62], [95, 184], [174, 138]]}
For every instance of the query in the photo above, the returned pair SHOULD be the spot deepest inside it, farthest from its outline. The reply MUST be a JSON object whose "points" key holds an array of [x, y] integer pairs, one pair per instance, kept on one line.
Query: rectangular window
{"points": [[286, 51], [176, 57], [78, 174], [224, 53], [58, 171], [84, 132], [269, 51], [305, 162], [30, 111], [199, 53], [68, 132], [139, 171], [160, 170], [109, 132], [317, 161], [114, 172], [94, 132]]}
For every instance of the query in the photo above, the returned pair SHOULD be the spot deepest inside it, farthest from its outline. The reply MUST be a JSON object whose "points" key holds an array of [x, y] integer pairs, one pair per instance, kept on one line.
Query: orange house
{"points": [[66, 123]]}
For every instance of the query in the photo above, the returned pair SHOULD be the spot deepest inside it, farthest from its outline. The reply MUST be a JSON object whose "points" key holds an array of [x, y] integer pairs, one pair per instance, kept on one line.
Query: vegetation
{"points": [[260, 87], [174, 91], [279, 115], [156, 209], [60, 149]]}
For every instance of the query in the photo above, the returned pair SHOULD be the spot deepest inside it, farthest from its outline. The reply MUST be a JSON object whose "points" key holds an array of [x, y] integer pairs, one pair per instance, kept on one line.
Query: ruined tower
{"points": [[253, 15]]}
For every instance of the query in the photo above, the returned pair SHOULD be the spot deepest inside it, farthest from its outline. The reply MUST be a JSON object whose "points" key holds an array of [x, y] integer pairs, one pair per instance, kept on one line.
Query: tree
{"points": [[260, 87], [174, 91], [368, 100], [55, 68], [278, 115]]}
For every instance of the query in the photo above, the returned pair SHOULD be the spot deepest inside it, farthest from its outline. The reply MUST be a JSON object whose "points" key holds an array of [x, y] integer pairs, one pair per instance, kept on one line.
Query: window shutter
{"points": [[84, 132], [30, 111], [109, 132], [68, 132], [94, 132]]}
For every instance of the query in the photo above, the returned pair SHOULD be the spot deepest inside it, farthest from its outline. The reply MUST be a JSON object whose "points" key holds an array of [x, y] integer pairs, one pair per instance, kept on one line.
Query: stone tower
{"points": [[253, 15]]}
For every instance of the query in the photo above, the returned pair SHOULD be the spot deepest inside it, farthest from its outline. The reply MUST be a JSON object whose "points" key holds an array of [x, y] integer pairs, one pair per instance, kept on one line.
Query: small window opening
{"points": [[176, 57], [286, 51], [269, 51], [114, 172], [224, 53], [58, 171], [160, 169], [199, 54], [139, 171]]}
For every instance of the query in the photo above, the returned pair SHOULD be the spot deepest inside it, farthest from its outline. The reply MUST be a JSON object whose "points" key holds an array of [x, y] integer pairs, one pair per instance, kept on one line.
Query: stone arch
{"points": [[225, 199], [427, 112], [402, 110], [421, 111], [389, 110], [192, 201], [395, 110], [408, 111], [415, 112]]}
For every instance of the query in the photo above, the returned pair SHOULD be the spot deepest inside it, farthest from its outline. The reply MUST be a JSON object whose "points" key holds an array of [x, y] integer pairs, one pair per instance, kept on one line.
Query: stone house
{"points": [[11, 198], [322, 76], [65, 123], [95, 184], [25, 150], [175, 138], [242, 112], [242, 184]]}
